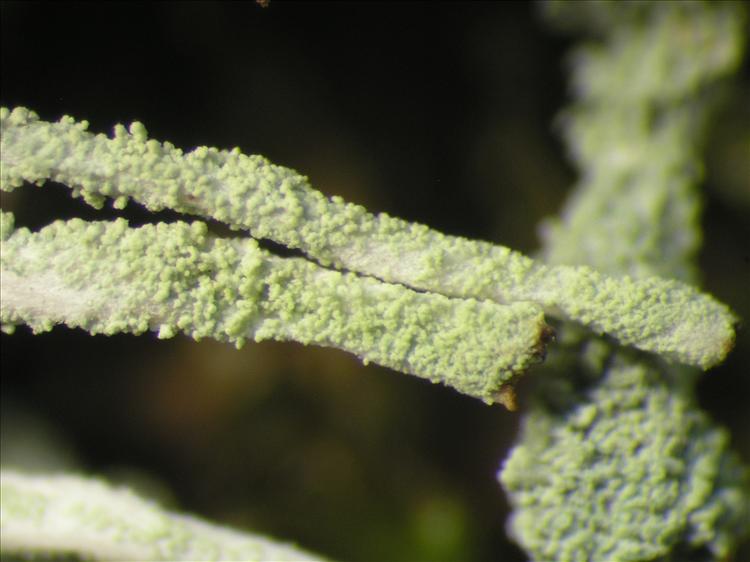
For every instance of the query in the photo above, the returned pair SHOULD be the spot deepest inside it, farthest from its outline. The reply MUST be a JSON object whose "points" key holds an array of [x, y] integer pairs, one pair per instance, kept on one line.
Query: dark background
{"points": [[435, 112]]}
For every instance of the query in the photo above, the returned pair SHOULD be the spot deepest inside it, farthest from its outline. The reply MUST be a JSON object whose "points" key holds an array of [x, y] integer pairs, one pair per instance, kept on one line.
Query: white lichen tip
{"points": [[94, 520], [269, 201]]}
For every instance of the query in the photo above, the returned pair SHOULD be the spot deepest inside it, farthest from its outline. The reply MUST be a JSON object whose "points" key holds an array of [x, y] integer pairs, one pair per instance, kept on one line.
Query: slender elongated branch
{"points": [[106, 277], [248, 192], [615, 461]]}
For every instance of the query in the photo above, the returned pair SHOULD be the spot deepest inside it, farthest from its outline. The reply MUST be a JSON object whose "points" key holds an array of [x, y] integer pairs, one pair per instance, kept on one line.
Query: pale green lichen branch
{"points": [[633, 472], [616, 461], [644, 98], [106, 277], [269, 201], [69, 514]]}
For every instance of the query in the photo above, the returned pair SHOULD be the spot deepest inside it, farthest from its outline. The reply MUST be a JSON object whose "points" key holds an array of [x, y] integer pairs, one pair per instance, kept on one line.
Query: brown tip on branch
{"points": [[507, 397]]}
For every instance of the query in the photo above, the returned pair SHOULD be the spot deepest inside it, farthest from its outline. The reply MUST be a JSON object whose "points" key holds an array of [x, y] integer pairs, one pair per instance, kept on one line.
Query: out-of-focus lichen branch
{"points": [[616, 461], [95, 521], [644, 99], [269, 201]]}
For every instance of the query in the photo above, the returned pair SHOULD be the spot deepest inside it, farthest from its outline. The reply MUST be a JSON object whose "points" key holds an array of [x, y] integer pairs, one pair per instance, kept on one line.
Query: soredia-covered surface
{"points": [[633, 471], [269, 201], [106, 277], [616, 461]]}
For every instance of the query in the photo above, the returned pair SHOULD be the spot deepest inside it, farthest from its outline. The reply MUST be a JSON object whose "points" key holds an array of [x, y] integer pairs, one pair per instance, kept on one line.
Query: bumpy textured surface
{"points": [[248, 192], [629, 473], [107, 278], [616, 462], [93, 520]]}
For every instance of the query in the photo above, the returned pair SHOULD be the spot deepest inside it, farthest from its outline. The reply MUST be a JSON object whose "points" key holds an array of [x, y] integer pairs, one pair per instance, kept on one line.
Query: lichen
{"points": [[107, 277], [269, 201]]}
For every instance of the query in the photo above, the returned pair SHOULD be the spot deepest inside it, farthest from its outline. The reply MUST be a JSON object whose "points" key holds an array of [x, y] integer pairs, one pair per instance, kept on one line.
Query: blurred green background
{"points": [[441, 113]]}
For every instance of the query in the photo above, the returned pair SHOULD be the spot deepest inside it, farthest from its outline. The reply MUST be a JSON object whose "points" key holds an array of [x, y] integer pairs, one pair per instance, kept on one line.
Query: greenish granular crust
{"points": [[248, 192], [96, 521], [633, 472], [654, 314], [106, 277], [7, 225], [643, 99], [616, 461]]}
